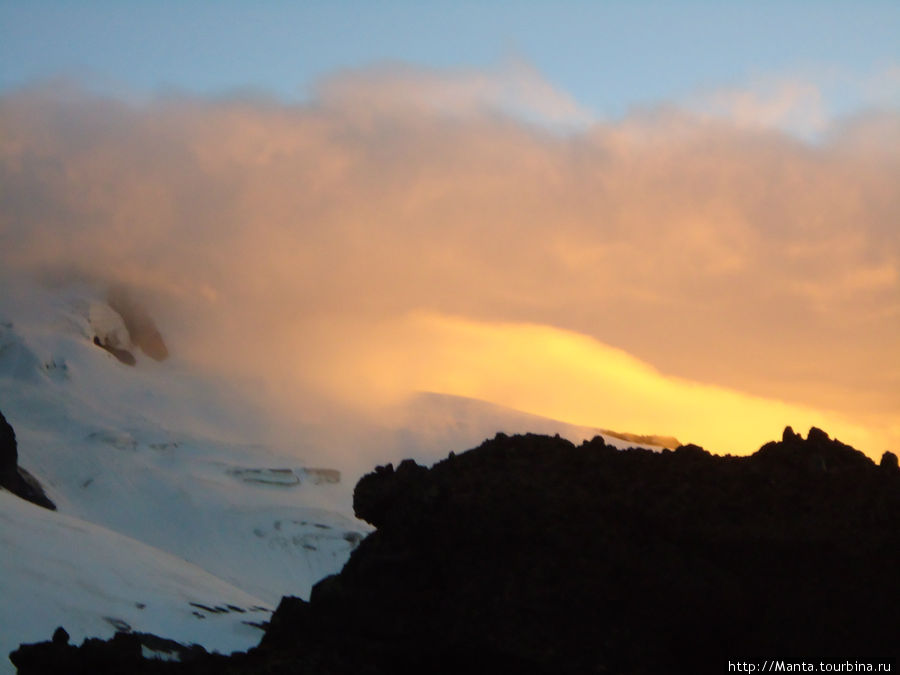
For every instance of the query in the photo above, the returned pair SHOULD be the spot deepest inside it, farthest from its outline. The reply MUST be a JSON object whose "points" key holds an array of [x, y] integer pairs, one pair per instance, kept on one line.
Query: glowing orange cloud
{"points": [[573, 378], [759, 276]]}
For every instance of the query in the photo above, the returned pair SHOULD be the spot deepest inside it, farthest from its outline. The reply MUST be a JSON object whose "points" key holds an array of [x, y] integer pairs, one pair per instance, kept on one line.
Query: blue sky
{"points": [[609, 56]]}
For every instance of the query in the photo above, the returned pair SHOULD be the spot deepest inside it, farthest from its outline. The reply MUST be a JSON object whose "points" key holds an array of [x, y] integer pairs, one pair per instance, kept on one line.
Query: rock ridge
{"points": [[532, 554], [14, 477]]}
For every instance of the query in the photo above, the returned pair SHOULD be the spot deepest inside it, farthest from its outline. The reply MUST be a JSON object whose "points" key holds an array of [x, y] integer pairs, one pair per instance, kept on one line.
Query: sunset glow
{"points": [[572, 378], [394, 326], [713, 266]]}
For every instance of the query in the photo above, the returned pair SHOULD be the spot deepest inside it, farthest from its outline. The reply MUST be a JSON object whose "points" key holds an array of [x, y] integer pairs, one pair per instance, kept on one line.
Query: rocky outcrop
{"points": [[12, 476], [530, 554], [122, 324], [125, 652], [123, 355], [9, 452], [141, 327]]}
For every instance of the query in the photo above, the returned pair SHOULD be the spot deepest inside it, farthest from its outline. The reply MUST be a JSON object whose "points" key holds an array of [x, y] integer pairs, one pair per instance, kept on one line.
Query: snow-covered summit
{"points": [[173, 499], [159, 488]]}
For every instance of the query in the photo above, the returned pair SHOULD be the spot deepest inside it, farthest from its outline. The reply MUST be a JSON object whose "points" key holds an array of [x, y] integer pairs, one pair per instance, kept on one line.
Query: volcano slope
{"points": [[530, 554]]}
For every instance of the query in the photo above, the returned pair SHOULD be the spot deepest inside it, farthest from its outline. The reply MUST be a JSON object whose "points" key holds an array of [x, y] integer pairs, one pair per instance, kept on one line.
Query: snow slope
{"points": [[59, 570], [166, 493], [150, 454]]}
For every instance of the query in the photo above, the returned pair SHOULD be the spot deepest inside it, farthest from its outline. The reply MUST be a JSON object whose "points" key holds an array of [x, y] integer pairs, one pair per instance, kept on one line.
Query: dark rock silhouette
{"points": [[60, 636], [12, 476], [9, 451], [121, 654], [529, 554]]}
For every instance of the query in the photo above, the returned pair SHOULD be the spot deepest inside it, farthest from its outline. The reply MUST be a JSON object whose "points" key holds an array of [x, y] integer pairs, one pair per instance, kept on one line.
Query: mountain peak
{"points": [[817, 453]]}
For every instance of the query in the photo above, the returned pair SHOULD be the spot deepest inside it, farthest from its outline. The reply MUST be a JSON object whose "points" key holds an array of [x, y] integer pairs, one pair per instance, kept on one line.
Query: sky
{"points": [[608, 56], [658, 217]]}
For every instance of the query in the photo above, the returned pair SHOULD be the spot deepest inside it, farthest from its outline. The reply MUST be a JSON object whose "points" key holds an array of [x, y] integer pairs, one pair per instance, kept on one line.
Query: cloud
{"points": [[514, 88], [284, 242], [807, 104], [559, 374], [791, 106]]}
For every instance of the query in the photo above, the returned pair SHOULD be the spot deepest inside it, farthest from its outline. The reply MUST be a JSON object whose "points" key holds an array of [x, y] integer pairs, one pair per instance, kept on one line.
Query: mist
{"points": [[647, 274]]}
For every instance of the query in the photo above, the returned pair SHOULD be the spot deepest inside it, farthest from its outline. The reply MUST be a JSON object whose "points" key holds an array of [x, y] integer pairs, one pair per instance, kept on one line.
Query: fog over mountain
{"points": [[663, 270], [170, 504], [448, 337]]}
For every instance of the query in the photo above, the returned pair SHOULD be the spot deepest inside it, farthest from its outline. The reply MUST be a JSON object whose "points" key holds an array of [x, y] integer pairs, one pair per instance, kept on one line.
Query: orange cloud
{"points": [[273, 241], [566, 376]]}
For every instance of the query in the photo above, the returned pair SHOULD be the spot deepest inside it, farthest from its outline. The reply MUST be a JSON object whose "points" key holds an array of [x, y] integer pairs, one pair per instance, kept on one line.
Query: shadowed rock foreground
{"points": [[529, 554], [14, 477]]}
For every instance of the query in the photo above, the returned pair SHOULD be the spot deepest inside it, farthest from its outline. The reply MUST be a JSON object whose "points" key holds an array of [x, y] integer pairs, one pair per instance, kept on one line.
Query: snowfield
{"points": [[57, 570], [166, 495], [162, 498]]}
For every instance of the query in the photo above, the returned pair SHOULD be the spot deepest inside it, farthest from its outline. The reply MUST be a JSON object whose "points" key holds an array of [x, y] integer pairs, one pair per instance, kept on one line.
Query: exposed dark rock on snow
{"points": [[532, 555], [126, 652], [123, 355], [140, 324], [9, 452], [12, 476], [123, 324], [644, 439]]}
